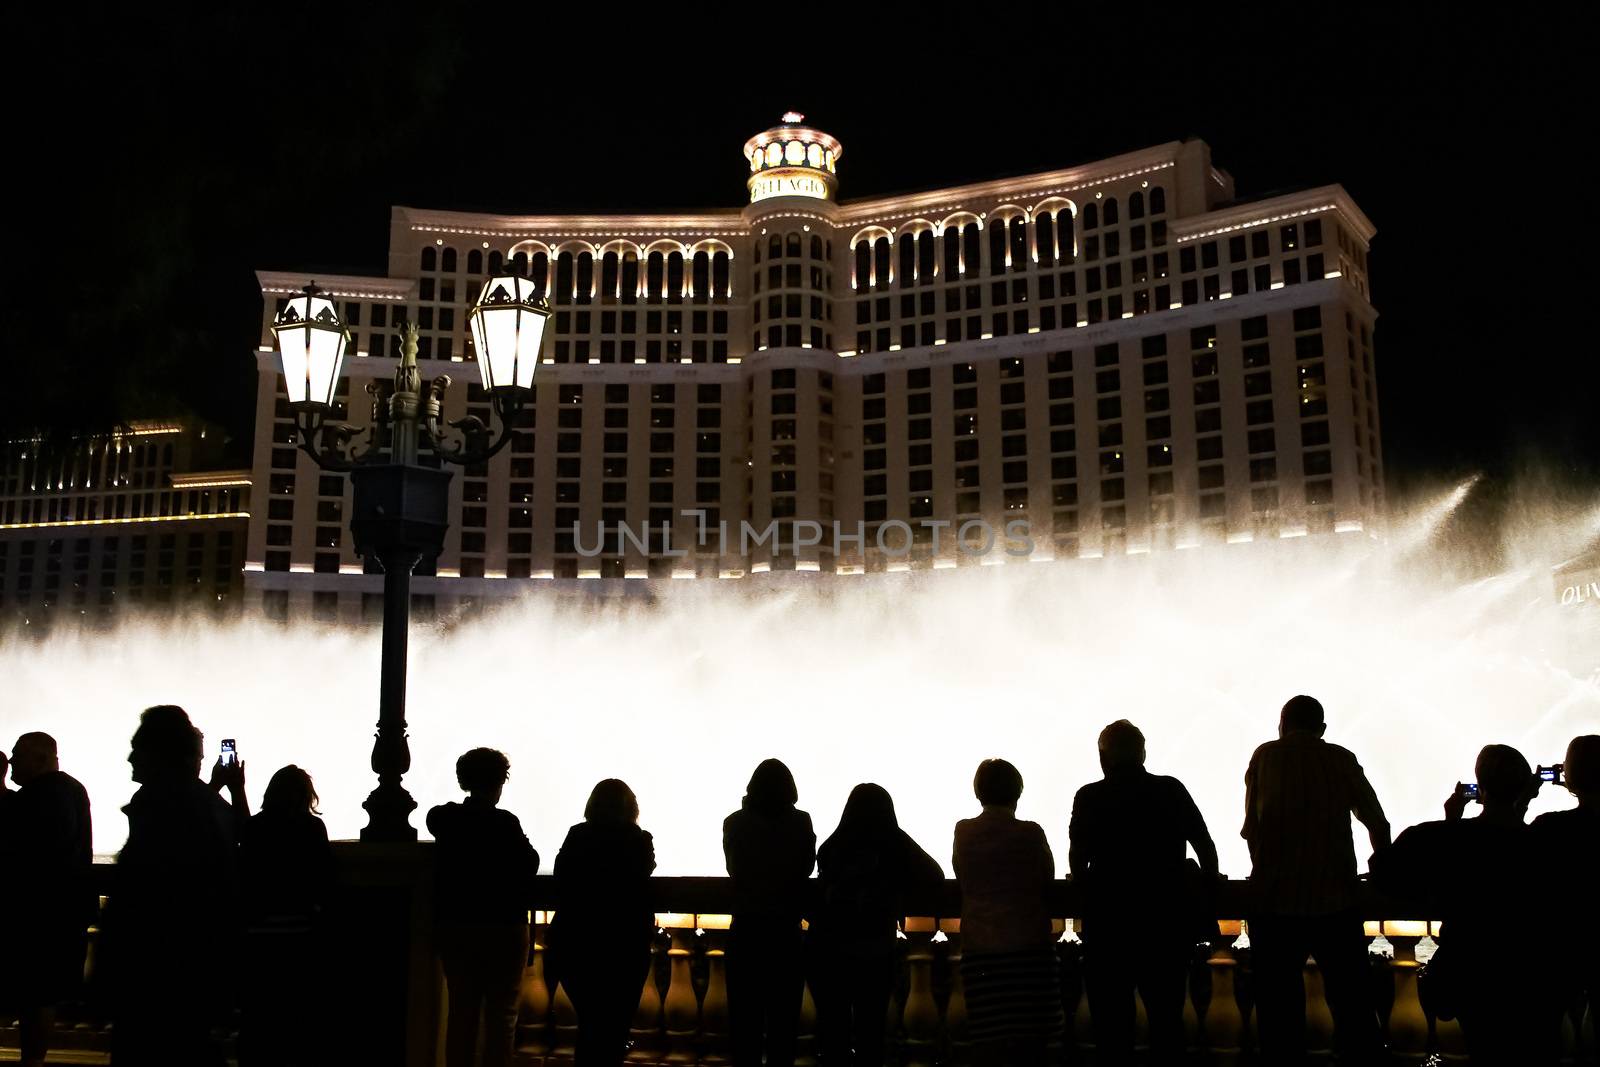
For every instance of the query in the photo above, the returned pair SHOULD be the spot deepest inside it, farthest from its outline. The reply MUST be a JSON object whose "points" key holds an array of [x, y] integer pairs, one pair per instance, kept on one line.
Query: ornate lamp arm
{"points": [[472, 443], [329, 443]]}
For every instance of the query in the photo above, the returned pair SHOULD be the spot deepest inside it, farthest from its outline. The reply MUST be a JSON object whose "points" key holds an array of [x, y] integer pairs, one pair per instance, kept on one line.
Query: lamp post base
{"points": [[389, 809]]}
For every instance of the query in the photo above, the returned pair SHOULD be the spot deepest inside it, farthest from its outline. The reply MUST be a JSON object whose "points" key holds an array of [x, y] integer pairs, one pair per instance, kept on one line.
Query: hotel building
{"points": [[1120, 353], [137, 519]]}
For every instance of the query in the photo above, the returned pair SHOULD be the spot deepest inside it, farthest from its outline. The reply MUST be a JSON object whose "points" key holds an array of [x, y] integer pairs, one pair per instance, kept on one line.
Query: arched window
{"points": [[721, 274], [1136, 206], [1066, 239], [630, 278], [474, 262], [816, 246], [881, 255], [863, 278], [775, 247], [519, 263], [700, 283], [927, 257], [997, 246], [584, 284], [792, 246], [1108, 214], [447, 262], [675, 278], [655, 277], [610, 274], [1019, 243], [1045, 234], [1158, 200], [563, 292], [495, 260], [539, 272], [952, 253], [1091, 216], [971, 248], [430, 258], [908, 260]]}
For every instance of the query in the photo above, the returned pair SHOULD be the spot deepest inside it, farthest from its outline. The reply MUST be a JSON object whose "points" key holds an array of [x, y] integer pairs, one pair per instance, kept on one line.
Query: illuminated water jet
{"points": [[907, 680]]}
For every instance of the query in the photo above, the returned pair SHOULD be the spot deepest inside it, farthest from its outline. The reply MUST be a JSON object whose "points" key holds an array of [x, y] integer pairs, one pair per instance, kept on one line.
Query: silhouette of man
{"points": [[171, 915], [1300, 792], [1474, 874], [483, 888], [1569, 847], [770, 850], [1129, 838], [53, 896]]}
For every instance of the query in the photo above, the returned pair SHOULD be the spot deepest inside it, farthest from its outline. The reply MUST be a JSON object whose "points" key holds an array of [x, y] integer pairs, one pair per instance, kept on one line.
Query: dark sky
{"points": [[163, 159]]}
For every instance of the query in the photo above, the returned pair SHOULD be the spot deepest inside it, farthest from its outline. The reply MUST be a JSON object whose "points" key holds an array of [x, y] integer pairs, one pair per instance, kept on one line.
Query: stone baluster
{"points": [[1408, 1024], [681, 1009], [920, 1018], [1197, 989], [714, 1007], [957, 1039], [645, 1032], [1074, 996], [533, 1002], [1223, 1023], [1587, 1031], [1319, 1017], [565, 1020], [806, 1041]]}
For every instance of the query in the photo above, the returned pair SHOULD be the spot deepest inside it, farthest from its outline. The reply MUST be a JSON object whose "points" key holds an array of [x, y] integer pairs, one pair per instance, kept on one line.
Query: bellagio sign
{"points": [[772, 183]]}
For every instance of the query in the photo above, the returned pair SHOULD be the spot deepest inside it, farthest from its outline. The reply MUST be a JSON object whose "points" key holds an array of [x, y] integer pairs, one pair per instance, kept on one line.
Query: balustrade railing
{"points": [[682, 1013]]}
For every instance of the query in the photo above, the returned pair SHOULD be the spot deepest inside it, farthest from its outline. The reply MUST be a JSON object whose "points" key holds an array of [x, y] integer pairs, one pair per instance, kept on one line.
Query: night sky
{"points": [[162, 160]]}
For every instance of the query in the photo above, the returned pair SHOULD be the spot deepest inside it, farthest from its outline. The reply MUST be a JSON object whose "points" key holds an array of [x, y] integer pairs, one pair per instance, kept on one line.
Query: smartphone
{"points": [[1552, 773], [1469, 790], [230, 752]]}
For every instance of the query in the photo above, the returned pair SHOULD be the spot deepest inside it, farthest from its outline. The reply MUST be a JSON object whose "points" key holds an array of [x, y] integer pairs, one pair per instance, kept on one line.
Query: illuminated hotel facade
{"points": [[139, 519], [1119, 354]]}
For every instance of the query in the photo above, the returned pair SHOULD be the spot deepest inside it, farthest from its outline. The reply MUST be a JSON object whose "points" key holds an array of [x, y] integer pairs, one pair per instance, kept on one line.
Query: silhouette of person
{"points": [[53, 897], [770, 850], [287, 866], [1568, 844], [1008, 960], [865, 871], [483, 888], [172, 912], [1474, 874], [599, 941], [1300, 792], [1129, 838]]}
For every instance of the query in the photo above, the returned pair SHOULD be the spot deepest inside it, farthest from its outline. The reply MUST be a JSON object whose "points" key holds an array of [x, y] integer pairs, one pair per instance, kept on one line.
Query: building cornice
{"points": [[1275, 209], [729, 223], [346, 286], [1047, 183]]}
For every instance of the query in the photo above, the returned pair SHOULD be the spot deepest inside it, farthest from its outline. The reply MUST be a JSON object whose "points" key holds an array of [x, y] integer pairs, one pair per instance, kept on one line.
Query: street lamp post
{"points": [[401, 507]]}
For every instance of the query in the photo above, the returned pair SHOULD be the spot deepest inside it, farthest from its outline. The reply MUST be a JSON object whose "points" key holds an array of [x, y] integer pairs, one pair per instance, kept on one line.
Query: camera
{"points": [[230, 752], [1552, 774], [1468, 791]]}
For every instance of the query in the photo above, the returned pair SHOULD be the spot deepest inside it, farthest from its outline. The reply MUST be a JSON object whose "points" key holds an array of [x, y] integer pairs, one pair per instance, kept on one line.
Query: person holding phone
{"points": [[228, 774]]}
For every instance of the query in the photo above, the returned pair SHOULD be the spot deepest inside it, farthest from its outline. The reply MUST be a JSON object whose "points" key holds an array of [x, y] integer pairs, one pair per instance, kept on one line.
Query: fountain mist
{"points": [[907, 680]]}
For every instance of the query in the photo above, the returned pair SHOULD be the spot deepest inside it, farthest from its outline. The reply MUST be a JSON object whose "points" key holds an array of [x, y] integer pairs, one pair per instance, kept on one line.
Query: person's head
{"points": [[33, 756], [1505, 781], [166, 747], [1301, 715], [1121, 747], [482, 772], [868, 810], [290, 792], [4, 763], [1581, 769], [997, 784], [772, 787], [612, 801]]}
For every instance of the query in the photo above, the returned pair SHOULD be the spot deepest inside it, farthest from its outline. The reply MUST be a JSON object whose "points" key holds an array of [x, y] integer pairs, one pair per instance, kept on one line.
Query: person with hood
{"points": [[770, 850], [483, 888], [865, 872], [599, 941]]}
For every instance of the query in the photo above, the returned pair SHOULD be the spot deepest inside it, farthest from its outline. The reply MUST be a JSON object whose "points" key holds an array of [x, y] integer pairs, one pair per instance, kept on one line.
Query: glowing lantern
{"points": [[311, 341], [508, 324]]}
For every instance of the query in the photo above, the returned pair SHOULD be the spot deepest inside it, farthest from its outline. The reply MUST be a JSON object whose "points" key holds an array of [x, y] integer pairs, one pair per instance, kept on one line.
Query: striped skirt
{"points": [[1012, 994]]}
